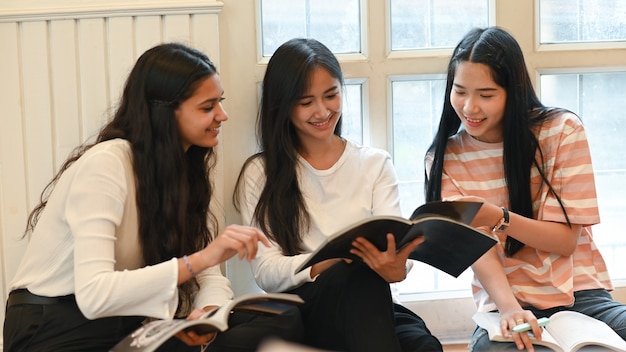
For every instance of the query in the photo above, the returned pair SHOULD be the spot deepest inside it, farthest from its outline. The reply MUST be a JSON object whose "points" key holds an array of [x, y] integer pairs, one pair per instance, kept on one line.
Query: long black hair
{"points": [[281, 211], [498, 50], [173, 185]]}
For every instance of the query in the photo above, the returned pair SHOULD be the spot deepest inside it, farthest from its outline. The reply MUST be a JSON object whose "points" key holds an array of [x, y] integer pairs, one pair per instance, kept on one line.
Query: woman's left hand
{"points": [[190, 337], [390, 265]]}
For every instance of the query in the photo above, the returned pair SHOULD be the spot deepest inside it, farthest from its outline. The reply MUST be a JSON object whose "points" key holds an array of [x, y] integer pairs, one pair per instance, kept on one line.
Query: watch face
{"points": [[503, 223], [501, 226]]}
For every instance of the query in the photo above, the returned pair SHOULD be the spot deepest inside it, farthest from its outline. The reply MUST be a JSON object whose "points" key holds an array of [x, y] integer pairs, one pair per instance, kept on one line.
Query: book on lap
{"points": [[152, 335], [568, 331]]}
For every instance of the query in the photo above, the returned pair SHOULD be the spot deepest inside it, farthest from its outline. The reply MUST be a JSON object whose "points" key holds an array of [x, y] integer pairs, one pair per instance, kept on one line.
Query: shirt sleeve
{"points": [[572, 176], [94, 208], [214, 289], [386, 194], [273, 271]]}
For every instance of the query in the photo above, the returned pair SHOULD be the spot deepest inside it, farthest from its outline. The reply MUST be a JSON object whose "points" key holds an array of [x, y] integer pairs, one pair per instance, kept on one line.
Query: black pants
{"points": [[62, 327], [349, 308]]}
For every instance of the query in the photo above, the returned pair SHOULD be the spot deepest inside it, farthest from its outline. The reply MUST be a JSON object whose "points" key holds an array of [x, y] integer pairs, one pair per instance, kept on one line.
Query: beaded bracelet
{"points": [[205, 345], [193, 274]]}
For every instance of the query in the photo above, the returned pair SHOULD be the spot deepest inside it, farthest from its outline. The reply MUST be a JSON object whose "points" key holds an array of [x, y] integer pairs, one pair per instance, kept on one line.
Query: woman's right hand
{"points": [[235, 239], [509, 319], [324, 265], [197, 338], [489, 271]]}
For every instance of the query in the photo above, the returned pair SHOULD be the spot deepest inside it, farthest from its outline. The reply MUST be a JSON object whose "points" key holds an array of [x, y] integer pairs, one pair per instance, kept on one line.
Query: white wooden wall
{"points": [[62, 69]]}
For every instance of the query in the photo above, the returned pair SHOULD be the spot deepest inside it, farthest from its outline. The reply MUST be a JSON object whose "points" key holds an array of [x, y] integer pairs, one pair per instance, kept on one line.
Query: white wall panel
{"points": [[37, 107], [176, 29], [93, 74], [121, 53], [13, 202], [64, 89], [203, 27], [148, 32]]}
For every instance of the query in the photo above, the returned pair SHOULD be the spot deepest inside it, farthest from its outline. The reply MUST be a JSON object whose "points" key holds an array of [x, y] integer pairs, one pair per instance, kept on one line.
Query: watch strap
{"points": [[503, 224]]}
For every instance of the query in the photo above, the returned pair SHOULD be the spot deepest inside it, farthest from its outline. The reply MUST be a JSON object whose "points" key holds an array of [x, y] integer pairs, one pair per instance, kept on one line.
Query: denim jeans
{"points": [[596, 303]]}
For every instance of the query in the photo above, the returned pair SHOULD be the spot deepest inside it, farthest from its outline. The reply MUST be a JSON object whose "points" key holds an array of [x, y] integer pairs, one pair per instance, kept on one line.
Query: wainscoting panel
{"points": [[64, 88], [13, 191]]}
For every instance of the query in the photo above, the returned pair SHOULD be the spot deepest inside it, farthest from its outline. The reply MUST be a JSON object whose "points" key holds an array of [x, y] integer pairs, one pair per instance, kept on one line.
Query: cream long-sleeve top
{"points": [[86, 243], [362, 183]]}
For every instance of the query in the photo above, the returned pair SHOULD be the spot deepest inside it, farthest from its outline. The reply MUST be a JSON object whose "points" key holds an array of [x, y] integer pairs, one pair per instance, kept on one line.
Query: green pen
{"points": [[526, 326]]}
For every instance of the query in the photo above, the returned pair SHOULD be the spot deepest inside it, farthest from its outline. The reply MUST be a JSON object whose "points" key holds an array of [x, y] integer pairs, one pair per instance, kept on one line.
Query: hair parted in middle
{"points": [[281, 211], [495, 48]]}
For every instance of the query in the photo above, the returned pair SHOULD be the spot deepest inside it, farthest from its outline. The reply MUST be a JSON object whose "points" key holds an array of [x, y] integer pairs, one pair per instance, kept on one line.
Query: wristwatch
{"points": [[503, 223]]}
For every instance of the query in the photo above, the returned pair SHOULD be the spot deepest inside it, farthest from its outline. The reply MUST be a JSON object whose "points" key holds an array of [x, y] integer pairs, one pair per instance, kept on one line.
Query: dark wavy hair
{"points": [[173, 185], [498, 50], [281, 211]]}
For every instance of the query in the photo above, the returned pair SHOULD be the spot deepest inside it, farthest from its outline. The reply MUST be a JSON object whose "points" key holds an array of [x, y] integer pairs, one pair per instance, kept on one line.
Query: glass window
{"points": [[352, 115], [600, 100], [428, 24], [563, 21], [416, 105], [337, 24]]}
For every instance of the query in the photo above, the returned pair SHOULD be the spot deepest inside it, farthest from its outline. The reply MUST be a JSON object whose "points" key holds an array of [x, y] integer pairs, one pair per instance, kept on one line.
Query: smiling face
{"points": [[199, 118], [316, 114], [478, 101]]}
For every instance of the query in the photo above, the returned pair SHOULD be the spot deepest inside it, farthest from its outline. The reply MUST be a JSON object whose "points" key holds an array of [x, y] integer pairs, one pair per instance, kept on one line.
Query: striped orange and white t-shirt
{"points": [[537, 278]]}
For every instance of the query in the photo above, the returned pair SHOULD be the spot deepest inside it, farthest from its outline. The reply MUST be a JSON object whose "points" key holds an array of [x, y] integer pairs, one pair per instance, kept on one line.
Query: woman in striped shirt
{"points": [[531, 166]]}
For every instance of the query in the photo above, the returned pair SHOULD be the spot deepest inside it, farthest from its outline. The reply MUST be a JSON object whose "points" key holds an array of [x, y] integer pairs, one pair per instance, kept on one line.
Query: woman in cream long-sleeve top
{"points": [[123, 230]]}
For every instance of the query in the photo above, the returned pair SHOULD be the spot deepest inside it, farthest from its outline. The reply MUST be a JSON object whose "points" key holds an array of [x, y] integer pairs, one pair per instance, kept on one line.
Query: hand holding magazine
{"points": [[153, 334], [568, 331], [450, 244]]}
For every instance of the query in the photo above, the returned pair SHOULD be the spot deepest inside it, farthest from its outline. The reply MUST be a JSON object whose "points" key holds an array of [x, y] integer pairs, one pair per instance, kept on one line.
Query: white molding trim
{"points": [[98, 9]]}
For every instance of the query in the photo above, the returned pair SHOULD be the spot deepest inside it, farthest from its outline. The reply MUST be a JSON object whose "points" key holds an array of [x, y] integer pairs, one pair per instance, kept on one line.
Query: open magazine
{"points": [[153, 334], [450, 244], [568, 331]]}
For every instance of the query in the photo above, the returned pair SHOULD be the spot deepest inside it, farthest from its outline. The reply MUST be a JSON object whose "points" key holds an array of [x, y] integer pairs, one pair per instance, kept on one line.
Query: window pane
{"points": [[335, 23], [416, 108], [425, 24], [424, 279], [352, 124], [563, 21], [600, 100]]}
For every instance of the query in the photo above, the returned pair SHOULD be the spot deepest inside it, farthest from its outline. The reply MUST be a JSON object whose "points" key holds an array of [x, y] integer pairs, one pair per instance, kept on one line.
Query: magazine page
{"points": [[574, 330], [461, 211]]}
